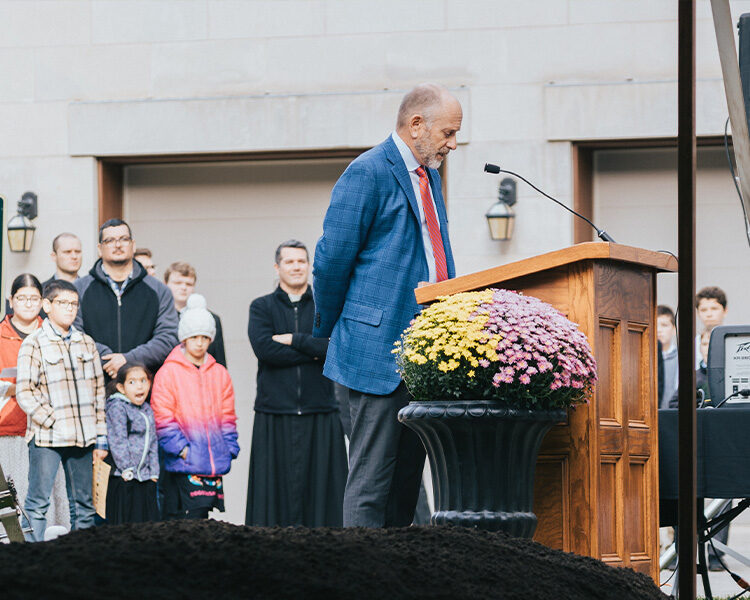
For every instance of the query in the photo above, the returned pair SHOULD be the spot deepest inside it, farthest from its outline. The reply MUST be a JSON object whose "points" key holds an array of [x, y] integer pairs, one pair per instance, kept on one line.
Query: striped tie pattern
{"points": [[441, 270]]}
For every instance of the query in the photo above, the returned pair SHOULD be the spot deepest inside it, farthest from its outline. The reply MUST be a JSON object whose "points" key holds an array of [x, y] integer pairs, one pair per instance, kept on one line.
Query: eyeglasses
{"points": [[69, 304], [117, 241], [32, 300]]}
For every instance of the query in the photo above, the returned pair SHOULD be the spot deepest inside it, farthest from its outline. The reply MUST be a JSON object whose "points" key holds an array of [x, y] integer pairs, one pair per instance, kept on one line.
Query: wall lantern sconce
{"points": [[500, 216], [20, 228]]}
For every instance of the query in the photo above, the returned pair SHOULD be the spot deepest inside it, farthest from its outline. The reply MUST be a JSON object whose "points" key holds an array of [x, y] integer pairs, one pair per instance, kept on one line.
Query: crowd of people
{"points": [[118, 367], [711, 306]]}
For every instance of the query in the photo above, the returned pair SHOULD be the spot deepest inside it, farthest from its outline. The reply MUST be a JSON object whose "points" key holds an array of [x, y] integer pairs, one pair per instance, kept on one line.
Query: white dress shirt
{"points": [[412, 164]]}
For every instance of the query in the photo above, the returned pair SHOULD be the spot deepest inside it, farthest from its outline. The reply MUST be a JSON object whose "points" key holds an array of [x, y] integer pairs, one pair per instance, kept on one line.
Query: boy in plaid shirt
{"points": [[60, 386]]}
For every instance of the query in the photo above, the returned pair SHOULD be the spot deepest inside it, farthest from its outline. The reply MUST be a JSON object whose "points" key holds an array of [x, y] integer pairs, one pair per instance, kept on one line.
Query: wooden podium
{"points": [[596, 490]]}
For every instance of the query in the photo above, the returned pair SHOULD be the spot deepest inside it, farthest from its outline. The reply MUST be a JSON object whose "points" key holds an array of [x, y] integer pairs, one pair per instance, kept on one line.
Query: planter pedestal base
{"points": [[482, 456]]}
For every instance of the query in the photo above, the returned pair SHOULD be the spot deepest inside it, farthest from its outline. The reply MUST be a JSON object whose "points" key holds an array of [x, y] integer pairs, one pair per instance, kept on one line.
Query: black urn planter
{"points": [[483, 457]]}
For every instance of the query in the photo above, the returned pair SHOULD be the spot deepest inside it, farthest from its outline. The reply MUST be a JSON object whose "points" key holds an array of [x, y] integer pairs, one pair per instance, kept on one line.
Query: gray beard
{"points": [[433, 162], [430, 158]]}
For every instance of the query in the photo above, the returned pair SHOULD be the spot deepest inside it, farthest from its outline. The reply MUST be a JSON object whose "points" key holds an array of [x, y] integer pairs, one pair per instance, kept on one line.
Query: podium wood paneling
{"points": [[597, 476]]}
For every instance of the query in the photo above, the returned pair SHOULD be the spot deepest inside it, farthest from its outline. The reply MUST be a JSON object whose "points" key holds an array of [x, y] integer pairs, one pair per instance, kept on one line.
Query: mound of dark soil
{"points": [[210, 559]]}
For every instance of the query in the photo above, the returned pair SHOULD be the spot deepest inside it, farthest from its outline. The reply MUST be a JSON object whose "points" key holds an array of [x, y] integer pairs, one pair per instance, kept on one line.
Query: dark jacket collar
{"points": [[282, 296], [97, 272]]}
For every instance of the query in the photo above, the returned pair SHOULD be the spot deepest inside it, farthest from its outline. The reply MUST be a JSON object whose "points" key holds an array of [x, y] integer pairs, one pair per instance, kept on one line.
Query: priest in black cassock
{"points": [[298, 464]]}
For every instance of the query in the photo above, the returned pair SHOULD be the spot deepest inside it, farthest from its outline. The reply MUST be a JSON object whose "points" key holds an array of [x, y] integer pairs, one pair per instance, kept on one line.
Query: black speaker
{"points": [[728, 361]]}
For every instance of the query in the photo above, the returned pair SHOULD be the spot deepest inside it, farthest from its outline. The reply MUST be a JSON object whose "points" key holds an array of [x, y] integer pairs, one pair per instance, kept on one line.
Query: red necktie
{"points": [[441, 270]]}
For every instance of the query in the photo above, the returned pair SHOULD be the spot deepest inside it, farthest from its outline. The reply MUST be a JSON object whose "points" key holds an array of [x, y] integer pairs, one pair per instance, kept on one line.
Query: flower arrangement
{"points": [[496, 344]]}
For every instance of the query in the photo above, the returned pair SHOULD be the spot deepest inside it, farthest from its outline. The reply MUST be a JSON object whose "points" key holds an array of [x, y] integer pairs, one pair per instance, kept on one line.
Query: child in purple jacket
{"points": [[131, 433]]}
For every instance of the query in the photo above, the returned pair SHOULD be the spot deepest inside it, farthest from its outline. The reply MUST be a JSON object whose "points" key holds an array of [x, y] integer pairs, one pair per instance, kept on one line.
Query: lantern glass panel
{"points": [[500, 219], [20, 234]]}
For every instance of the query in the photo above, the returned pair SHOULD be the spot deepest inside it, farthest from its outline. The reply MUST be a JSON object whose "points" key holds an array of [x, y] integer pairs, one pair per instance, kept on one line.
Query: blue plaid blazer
{"points": [[367, 263]]}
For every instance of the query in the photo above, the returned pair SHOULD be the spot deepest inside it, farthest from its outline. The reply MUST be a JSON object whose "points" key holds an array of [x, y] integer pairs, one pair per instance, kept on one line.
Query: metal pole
{"points": [[686, 290]]}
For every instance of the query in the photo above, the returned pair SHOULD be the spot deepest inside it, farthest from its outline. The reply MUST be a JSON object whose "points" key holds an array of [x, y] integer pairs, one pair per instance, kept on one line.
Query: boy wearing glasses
{"points": [[60, 386], [130, 315]]}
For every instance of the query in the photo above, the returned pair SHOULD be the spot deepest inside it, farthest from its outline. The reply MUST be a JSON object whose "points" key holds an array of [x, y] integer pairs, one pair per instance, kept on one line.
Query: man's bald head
{"points": [[428, 120], [424, 100]]}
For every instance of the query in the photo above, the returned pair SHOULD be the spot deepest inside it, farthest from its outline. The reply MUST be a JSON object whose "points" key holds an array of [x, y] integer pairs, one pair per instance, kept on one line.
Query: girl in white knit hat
{"points": [[193, 403]]}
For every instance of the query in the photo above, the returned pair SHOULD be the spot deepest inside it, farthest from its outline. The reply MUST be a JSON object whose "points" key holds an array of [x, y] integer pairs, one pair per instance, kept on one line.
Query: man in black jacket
{"points": [[130, 314], [298, 463], [180, 278]]}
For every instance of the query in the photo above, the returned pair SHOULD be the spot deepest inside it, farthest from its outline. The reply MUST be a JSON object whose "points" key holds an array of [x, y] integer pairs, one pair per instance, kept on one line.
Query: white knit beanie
{"points": [[196, 320]]}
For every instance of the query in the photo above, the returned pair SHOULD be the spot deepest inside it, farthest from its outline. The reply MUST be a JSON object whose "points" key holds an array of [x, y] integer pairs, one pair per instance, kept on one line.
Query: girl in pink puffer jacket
{"points": [[193, 403]]}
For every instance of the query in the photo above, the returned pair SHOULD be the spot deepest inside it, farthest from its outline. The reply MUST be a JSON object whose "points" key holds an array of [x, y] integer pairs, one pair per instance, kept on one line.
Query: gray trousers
{"points": [[386, 460]]}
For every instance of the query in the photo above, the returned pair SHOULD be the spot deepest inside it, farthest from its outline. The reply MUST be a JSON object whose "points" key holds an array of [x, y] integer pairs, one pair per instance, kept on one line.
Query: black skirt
{"points": [[131, 501], [298, 470]]}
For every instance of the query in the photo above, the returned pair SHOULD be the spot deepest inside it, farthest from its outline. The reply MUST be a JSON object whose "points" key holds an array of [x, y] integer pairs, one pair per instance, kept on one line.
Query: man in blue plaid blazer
{"points": [[380, 240]]}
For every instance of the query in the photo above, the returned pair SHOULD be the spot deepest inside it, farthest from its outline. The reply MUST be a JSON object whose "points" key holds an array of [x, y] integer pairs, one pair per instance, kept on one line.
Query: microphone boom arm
{"points": [[603, 235]]}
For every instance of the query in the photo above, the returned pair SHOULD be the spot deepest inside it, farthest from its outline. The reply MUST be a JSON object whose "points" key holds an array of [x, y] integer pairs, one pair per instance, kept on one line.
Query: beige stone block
{"points": [[634, 109], [711, 107], [38, 129], [707, 63], [265, 18], [466, 176], [573, 53], [66, 190], [507, 112], [501, 14], [63, 184], [331, 63], [386, 16], [385, 61], [541, 226], [628, 110], [41, 23], [654, 48], [558, 165], [622, 11], [92, 72], [235, 124], [470, 237], [128, 21], [16, 75], [210, 68], [451, 57]]}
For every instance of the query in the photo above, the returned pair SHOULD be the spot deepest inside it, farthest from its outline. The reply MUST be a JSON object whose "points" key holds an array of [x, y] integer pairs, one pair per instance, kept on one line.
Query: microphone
{"points": [[603, 235]]}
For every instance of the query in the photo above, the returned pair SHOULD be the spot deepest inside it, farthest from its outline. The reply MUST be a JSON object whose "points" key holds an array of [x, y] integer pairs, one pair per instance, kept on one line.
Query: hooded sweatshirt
{"points": [[194, 408], [141, 323]]}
